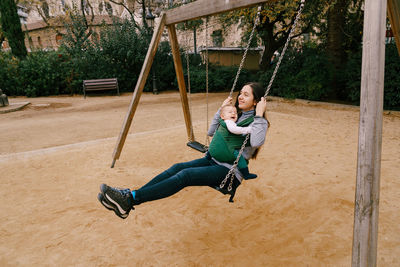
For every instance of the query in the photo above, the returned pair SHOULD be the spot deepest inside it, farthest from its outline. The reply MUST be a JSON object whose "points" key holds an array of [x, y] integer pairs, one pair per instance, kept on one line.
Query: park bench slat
{"points": [[100, 84]]}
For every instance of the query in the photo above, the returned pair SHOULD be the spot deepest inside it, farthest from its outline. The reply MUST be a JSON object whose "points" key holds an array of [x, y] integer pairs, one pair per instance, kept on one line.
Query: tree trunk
{"points": [[11, 26], [335, 38], [266, 59], [270, 45]]}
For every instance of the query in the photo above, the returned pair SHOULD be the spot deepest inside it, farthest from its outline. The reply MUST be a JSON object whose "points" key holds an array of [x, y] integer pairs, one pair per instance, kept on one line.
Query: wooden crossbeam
{"points": [[202, 8], [394, 17]]}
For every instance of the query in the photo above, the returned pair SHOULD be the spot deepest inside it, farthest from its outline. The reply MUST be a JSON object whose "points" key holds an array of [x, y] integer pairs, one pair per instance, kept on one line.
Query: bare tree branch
{"points": [[45, 20], [126, 8], [85, 20]]}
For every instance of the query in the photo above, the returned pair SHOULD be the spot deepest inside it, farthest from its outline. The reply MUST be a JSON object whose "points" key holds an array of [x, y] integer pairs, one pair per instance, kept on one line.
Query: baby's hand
{"points": [[227, 101]]}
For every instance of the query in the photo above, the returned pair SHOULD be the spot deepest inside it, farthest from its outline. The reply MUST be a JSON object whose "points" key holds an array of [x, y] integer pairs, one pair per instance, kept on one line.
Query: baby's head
{"points": [[229, 112]]}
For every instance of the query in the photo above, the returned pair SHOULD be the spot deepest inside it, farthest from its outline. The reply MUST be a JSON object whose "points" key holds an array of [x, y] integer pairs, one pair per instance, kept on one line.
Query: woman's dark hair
{"points": [[258, 93], [257, 90]]}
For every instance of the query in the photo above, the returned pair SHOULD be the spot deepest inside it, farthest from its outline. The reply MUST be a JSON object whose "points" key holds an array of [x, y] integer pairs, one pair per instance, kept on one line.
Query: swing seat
{"points": [[233, 191], [198, 146], [226, 192]]}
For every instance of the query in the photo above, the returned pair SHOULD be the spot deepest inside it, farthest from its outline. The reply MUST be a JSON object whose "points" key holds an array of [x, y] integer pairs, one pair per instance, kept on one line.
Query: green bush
{"points": [[39, 74], [303, 74], [392, 78], [163, 65], [119, 53], [8, 74], [42, 74]]}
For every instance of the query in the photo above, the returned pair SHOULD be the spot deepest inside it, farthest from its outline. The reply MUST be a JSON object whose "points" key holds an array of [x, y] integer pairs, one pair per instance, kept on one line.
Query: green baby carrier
{"points": [[225, 145]]}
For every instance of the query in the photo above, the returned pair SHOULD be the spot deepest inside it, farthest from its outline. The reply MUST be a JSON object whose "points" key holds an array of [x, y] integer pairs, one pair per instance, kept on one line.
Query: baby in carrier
{"points": [[228, 114]]}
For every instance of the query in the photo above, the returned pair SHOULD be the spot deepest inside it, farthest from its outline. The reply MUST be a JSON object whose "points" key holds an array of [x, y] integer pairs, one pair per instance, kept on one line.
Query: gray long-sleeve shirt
{"points": [[258, 132]]}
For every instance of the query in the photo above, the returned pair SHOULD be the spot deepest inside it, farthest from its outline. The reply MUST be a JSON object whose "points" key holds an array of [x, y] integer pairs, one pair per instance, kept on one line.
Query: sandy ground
{"points": [[56, 152]]}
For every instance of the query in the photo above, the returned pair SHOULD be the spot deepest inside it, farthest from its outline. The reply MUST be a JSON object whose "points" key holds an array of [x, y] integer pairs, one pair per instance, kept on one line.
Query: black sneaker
{"points": [[119, 200], [110, 206]]}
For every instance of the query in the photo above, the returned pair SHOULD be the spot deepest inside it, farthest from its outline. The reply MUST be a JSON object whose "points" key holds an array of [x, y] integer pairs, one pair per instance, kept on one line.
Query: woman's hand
{"points": [[261, 107], [227, 101]]}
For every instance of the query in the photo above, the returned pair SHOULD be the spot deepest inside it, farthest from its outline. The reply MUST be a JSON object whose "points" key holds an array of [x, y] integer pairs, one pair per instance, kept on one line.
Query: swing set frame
{"points": [[366, 208]]}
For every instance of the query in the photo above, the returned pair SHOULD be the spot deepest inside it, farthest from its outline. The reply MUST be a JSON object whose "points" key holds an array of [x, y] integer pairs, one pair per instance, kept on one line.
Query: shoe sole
{"points": [[110, 200], [103, 189], [110, 206]]}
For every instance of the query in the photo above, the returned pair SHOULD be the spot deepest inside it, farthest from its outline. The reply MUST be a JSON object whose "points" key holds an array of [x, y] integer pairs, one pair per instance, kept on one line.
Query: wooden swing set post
{"points": [[181, 79], [366, 209], [394, 17], [144, 73]]}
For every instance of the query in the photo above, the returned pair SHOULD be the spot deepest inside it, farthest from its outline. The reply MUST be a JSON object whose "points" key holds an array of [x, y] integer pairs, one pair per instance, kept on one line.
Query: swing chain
{"points": [[256, 22], [230, 173], [207, 141], [285, 47]]}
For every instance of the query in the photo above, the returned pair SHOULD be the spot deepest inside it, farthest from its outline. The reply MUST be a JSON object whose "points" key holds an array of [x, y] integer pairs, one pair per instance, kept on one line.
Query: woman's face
{"points": [[246, 98]]}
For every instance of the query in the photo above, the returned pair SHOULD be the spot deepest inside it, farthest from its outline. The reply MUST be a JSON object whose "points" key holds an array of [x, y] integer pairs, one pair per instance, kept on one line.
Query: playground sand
{"points": [[56, 152]]}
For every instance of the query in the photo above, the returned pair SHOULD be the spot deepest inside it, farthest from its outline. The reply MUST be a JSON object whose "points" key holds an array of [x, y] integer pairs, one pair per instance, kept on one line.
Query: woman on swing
{"points": [[206, 171]]}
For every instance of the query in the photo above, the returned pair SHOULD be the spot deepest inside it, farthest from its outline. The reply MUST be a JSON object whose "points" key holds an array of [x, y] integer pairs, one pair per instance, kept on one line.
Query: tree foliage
{"points": [[78, 31], [276, 20], [11, 27]]}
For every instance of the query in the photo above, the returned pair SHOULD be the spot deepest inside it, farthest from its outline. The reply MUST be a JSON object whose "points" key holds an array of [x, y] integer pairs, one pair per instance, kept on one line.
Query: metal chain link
{"points": [[230, 173], [207, 139], [256, 22]]}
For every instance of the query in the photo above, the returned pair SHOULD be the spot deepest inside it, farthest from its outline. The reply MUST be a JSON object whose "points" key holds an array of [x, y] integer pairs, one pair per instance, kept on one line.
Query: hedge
{"points": [[120, 52]]}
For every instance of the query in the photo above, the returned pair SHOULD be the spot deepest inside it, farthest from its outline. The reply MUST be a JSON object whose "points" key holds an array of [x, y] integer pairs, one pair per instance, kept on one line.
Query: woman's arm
{"points": [[258, 132], [260, 125], [214, 123]]}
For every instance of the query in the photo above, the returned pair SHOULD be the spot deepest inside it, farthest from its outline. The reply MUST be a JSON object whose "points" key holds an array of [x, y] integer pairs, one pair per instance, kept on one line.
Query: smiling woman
{"points": [[209, 170]]}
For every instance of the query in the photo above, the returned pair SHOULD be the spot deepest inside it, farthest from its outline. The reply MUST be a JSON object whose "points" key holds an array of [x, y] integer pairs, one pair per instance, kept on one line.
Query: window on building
{"points": [[86, 7], [39, 41], [109, 9], [63, 6], [30, 41], [101, 7], [46, 9], [217, 38], [59, 37], [22, 13]]}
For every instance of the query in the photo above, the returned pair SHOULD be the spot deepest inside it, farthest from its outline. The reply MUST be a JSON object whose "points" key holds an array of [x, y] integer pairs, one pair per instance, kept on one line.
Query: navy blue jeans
{"points": [[199, 172]]}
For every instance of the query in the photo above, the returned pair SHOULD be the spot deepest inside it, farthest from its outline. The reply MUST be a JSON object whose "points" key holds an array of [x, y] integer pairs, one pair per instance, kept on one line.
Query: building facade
{"points": [[43, 25]]}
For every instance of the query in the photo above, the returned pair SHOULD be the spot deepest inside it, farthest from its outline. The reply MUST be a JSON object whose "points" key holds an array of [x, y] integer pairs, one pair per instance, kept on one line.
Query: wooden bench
{"points": [[100, 85]]}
